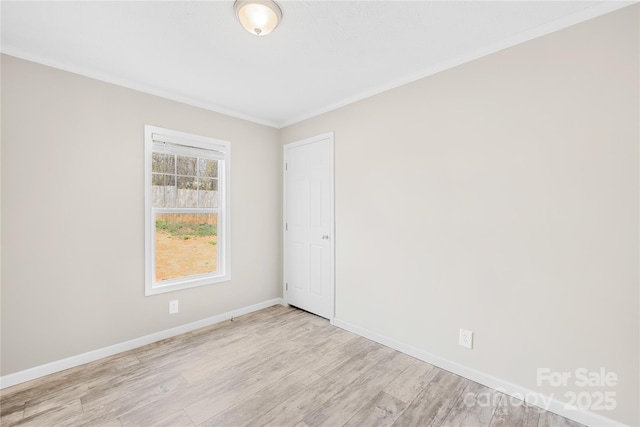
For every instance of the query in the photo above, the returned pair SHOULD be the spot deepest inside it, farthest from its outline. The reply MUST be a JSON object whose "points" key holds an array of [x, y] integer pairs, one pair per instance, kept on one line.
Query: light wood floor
{"points": [[279, 366]]}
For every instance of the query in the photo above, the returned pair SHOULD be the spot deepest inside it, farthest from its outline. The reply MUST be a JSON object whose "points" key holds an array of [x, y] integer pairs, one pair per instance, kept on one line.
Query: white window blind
{"points": [[181, 147]]}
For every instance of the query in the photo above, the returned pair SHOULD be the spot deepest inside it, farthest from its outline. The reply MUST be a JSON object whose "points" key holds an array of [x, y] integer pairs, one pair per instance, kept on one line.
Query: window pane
{"points": [[208, 168], [157, 190], [187, 196], [169, 191], [208, 194], [162, 162], [170, 164], [187, 166], [186, 183], [157, 179], [157, 162], [186, 245], [163, 191]]}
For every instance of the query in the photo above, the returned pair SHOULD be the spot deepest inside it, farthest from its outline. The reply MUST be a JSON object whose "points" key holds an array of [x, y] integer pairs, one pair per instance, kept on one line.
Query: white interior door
{"points": [[308, 225]]}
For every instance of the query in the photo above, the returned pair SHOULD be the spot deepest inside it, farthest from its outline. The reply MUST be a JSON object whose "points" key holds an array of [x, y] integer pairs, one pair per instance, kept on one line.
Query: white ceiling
{"points": [[323, 55]]}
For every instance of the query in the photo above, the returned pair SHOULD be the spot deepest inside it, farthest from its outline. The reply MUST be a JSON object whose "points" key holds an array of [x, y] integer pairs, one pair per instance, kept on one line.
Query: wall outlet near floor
{"points": [[466, 339], [173, 306]]}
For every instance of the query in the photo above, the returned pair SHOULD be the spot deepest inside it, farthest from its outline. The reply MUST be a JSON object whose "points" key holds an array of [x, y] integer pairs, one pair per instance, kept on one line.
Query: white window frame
{"points": [[223, 273]]}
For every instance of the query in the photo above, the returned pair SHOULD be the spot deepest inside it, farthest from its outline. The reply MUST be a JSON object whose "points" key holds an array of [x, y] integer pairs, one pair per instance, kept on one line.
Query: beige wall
{"points": [[500, 196], [73, 215]]}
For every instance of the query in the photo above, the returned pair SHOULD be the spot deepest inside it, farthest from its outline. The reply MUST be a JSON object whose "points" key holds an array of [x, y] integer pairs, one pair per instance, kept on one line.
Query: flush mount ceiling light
{"points": [[259, 17]]}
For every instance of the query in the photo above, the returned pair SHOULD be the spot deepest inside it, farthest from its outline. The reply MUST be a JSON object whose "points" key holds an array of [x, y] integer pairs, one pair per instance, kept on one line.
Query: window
{"points": [[186, 210]]}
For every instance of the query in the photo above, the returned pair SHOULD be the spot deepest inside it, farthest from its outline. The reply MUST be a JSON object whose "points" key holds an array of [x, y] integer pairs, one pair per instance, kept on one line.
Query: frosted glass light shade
{"points": [[259, 17]]}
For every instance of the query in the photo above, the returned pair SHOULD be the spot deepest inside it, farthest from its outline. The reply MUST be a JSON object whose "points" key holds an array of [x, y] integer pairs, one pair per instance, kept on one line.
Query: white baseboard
{"points": [[530, 397], [81, 359]]}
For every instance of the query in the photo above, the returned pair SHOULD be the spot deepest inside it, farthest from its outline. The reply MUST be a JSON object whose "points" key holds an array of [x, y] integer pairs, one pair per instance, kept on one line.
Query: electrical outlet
{"points": [[466, 339], [173, 306]]}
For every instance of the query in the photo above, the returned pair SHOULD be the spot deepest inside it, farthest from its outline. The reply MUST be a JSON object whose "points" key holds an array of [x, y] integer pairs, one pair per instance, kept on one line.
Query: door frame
{"points": [[332, 294]]}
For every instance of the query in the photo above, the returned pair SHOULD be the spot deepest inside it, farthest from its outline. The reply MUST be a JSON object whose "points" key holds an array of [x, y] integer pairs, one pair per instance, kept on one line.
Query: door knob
{"points": [[325, 237]]}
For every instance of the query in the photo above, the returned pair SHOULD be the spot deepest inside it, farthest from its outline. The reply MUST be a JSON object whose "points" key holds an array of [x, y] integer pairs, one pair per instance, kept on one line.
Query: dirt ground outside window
{"points": [[184, 249]]}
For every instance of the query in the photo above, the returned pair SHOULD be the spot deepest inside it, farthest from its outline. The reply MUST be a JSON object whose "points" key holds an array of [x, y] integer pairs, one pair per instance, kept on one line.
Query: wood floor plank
{"points": [[342, 335], [11, 418], [549, 419], [12, 410], [220, 359], [340, 408], [215, 391], [52, 415], [32, 410], [111, 423], [330, 359], [198, 346], [221, 387], [266, 345], [98, 386], [186, 348], [433, 404], [147, 385], [116, 404], [411, 382], [513, 412], [279, 366], [157, 412], [474, 408], [207, 398], [262, 401], [73, 382], [291, 356], [177, 419], [381, 411], [294, 409]]}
